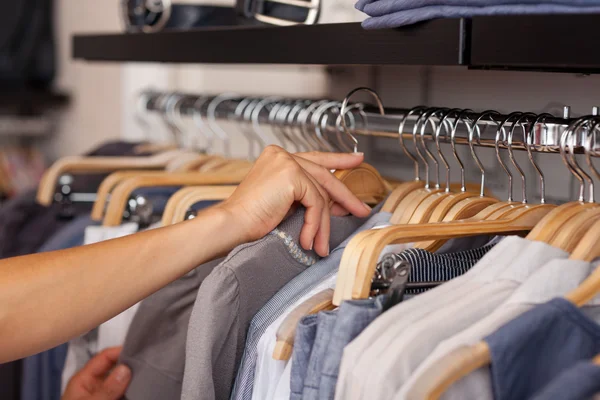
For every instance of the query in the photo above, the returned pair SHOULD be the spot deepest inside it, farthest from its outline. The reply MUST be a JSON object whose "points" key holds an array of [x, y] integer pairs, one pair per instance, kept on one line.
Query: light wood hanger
{"points": [[172, 203], [123, 191], [369, 250], [365, 182], [286, 333], [203, 193], [154, 148], [81, 165], [469, 359]]}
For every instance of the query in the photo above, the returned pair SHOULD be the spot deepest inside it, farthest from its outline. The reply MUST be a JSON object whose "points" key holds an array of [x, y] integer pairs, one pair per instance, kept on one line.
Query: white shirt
{"points": [[474, 300], [555, 279]]}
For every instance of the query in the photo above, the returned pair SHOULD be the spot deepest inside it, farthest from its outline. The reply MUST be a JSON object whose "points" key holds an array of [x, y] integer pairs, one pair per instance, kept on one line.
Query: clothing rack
{"points": [[546, 135]]}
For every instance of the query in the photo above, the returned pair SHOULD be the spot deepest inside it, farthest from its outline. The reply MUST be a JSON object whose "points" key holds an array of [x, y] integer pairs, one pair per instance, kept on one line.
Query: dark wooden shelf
{"points": [[431, 43], [532, 42]]}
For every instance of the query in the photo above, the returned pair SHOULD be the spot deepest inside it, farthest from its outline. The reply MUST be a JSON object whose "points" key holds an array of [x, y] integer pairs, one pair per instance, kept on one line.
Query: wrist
{"points": [[225, 224]]}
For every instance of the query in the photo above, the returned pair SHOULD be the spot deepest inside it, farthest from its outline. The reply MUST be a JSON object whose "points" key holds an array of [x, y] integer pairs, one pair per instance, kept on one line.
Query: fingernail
{"points": [[312, 244], [367, 207], [358, 153], [327, 250], [122, 373]]}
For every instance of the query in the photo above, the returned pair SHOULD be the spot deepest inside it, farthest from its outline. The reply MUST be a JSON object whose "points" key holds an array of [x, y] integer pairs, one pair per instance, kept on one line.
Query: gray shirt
{"points": [[154, 348], [235, 291]]}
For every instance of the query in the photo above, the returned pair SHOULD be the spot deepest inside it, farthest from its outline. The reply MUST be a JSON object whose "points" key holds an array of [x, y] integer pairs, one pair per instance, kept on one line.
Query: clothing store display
{"points": [[580, 382], [556, 334], [370, 348], [235, 291], [382, 15], [547, 282]]}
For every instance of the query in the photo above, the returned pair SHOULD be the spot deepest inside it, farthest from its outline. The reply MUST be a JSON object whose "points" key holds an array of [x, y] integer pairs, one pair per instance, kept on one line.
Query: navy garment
{"points": [[412, 16], [534, 349], [41, 377], [376, 8], [580, 382]]}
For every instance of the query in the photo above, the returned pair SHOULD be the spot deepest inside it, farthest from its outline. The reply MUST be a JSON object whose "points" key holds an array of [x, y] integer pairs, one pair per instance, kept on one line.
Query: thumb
{"points": [[115, 384]]}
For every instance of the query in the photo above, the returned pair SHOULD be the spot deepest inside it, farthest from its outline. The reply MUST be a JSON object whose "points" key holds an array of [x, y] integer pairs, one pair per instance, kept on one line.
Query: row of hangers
{"points": [[423, 213]]}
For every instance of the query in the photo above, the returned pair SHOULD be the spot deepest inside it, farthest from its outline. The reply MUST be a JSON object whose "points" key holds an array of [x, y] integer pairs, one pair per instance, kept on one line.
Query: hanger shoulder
{"points": [[574, 230], [399, 193], [547, 228], [107, 185], [79, 165], [154, 148], [464, 361], [409, 205], [204, 193], [424, 211], [171, 206], [123, 191], [447, 204], [468, 207], [365, 182], [287, 330]]}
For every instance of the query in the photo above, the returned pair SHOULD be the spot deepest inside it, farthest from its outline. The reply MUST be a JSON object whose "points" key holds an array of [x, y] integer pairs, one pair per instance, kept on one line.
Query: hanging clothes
{"points": [[234, 292]]}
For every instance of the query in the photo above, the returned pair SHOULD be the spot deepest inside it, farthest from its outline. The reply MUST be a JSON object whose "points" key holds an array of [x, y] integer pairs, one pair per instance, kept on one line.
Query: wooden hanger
{"points": [[287, 330], [123, 191], [174, 200], [80, 165], [369, 250], [574, 230], [365, 182], [199, 194], [154, 148]]}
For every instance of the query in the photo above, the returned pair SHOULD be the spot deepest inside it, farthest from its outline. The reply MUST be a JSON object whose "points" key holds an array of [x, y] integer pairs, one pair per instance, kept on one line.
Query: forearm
{"points": [[49, 298]]}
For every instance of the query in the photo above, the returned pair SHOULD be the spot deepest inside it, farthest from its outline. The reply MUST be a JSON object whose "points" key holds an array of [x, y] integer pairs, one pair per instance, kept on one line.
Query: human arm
{"points": [[49, 298]]}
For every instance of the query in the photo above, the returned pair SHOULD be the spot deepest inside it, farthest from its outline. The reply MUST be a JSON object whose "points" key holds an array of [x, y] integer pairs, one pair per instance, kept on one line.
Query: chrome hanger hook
{"points": [[444, 124], [511, 154], [303, 118], [461, 118], [587, 148], [239, 113], [485, 114], [528, 143], [343, 111], [423, 117], [497, 140], [427, 151], [255, 119], [563, 153], [415, 110], [339, 128], [212, 120]]}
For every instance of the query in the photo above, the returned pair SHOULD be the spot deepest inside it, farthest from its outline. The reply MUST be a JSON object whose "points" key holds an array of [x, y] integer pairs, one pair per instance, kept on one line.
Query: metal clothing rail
{"points": [[487, 129]]}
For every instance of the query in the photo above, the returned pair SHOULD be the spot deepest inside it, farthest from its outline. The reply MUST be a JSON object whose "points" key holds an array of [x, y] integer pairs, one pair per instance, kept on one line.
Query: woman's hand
{"points": [[100, 378], [280, 179]]}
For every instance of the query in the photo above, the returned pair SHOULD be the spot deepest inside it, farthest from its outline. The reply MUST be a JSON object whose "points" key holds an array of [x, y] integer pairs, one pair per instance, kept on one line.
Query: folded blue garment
{"points": [[378, 8], [401, 18]]}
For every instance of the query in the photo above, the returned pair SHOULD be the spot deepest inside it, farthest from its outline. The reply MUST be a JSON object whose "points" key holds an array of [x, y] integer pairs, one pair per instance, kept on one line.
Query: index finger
{"points": [[333, 160]]}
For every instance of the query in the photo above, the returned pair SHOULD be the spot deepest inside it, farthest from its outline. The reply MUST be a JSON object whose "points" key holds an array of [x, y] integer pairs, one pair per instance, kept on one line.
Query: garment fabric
{"points": [[556, 278], [556, 334], [234, 292], [284, 298], [472, 302], [108, 334], [381, 7], [374, 344], [580, 382], [412, 16]]}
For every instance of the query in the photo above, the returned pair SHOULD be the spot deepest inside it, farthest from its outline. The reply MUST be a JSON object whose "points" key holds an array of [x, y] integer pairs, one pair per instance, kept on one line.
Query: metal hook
{"points": [[499, 131], [339, 128], [303, 118], [316, 121], [444, 123], [280, 118], [255, 121], [239, 113], [461, 118], [173, 118], [292, 117], [528, 142], [563, 153], [485, 114], [435, 113], [587, 148], [212, 120], [199, 122], [511, 154], [343, 111], [420, 110]]}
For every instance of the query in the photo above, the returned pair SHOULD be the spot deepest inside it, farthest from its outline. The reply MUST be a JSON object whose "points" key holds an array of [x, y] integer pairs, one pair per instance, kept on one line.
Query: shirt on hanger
{"points": [[232, 294], [555, 334], [580, 382], [556, 278], [472, 302], [286, 297], [365, 351], [272, 378]]}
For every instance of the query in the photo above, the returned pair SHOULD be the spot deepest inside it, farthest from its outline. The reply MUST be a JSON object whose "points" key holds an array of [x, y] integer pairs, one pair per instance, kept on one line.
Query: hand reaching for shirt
{"points": [[280, 179], [100, 378]]}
